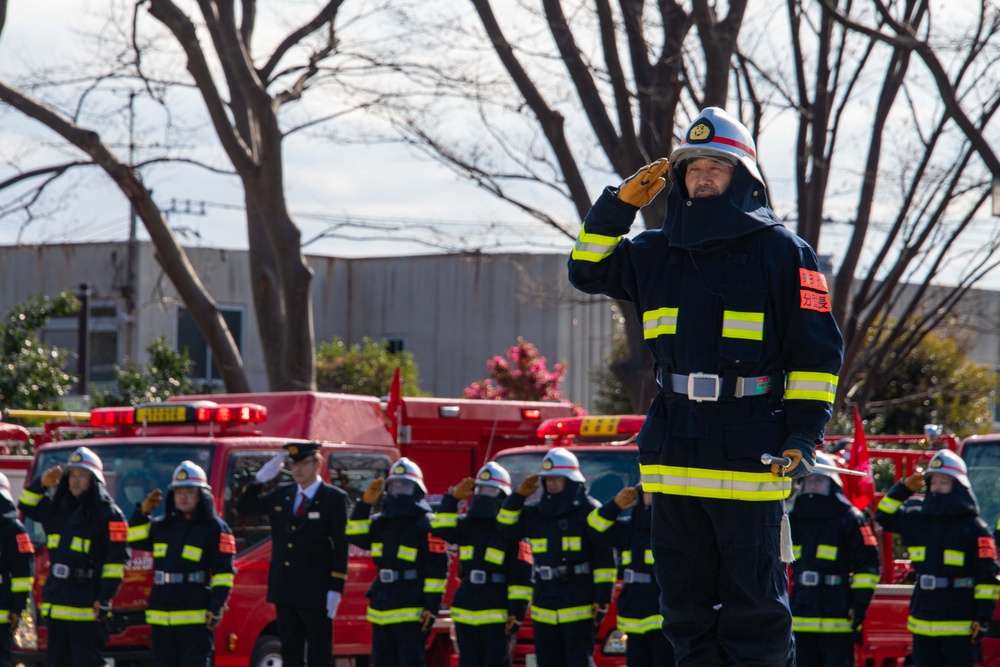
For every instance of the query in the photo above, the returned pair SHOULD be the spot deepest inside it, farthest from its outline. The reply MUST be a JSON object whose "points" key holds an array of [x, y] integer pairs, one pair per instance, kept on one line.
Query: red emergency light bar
{"points": [[531, 413], [109, 417], [172, 414], [591, 426]]}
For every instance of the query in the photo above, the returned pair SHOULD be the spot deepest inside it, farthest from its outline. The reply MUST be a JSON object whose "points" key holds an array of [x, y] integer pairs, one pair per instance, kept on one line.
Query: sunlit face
{"points": [[817, 484], [79, 481], [186, 498], [554, 485], [941, 484], [401, 487], [707, 177], [305, 471], [483, 490]]}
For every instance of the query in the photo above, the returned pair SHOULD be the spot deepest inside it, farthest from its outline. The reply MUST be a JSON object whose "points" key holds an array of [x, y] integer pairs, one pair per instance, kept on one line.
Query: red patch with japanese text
{"points": [[813, 280], [118, 531], [987, 548], [868, 536], [814, 301], [436, 545], [524, 553], [227, 543], [24, 544]]}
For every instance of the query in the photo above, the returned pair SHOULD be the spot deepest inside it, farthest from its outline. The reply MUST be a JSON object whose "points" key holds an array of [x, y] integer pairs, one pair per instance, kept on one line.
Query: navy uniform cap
{"points": [[299, 451]]}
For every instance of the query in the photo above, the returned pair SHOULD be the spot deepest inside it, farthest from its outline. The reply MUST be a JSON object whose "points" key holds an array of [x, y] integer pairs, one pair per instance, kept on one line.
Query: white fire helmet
{"points": [[495, 475], [716, 134], [947, 462], [404, 468], [827, 460], [189, 474], [560, 462], [86, 459], [5, 487]]}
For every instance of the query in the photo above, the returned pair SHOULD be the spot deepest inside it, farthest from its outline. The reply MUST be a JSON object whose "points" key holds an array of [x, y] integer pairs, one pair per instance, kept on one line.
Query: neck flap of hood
{"points": [[960, 501]]}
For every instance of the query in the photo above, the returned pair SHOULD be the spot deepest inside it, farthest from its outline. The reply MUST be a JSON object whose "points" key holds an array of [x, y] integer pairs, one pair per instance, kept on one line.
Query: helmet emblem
{"points": [[399, 470], [701, 132], [76, 458], [182, 475], [546, 465], [293, 450], [937, 463], [485, 474]]}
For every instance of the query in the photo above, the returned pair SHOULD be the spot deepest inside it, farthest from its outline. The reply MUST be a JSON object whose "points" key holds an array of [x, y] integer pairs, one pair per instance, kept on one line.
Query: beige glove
{"points": [[51, 476], [426, 620], [599, 612], [977, 632], [463, 489], [152, 501], [627, 498], [212, 620], [640, 188], [528, 485], [374, 491], [915, 481], [512, 625]]}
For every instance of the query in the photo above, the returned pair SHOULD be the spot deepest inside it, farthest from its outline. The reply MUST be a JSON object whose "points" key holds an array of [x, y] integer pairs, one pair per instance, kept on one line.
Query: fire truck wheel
{"points": [[266, 652]]}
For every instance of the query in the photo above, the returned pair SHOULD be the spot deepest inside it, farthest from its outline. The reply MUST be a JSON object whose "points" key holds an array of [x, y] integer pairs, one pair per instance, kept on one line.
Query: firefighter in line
{"points": [[835, 571], [638, 603], [87, 538], [736, 314], [495, 572], [17, 567], [405, 597], [574, 576], [193, 551], [309, 551], [954, 559]]}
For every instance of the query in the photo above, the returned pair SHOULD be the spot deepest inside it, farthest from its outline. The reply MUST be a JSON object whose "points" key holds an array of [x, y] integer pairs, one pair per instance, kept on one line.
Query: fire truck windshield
{"points": [[130, 471], [607, 471], [983, 460]]}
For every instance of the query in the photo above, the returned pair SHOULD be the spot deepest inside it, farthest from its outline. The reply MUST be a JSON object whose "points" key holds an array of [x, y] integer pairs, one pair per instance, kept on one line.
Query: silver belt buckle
{"points": [[477, 576], [628, 576], [810, 578], [60, 571], [387, 576], [928, 582], [158, 577], [545, 572], [701, 378]]}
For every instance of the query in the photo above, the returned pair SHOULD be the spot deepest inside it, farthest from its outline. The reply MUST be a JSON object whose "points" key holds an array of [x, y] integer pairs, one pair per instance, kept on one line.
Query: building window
{"points": [[63, 332], [190, 340], [395, 345]]}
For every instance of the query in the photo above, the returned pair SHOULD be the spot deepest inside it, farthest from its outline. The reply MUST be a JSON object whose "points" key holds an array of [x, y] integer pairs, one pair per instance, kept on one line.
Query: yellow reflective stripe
{"points": [[627, 557], [571, 543], [190, 552], [647, 557], [376, 549], [478, 616], [433, 586], [558, 616], [358, 527], [406, 553], [4, 616], [224, 579], [113, 571], [987, 592], [139, 532], [864, 580], [52, 541], [494, 556], [539, 545], [917, 554], [745, 325], [593, 247], [80, 544], [803, 385], [508, 517], [444, 520], [704, 483], [392, 616], [30, 498], [826, 551], [659, 322], [640, 626], [598, 522], [953, 557], [466, 552], [820, 624], [182, 617], [889, 505], [159, 549], [797, 551], [515, 592], [605, 575], [62, 612], [21, 584], [938, 628]]}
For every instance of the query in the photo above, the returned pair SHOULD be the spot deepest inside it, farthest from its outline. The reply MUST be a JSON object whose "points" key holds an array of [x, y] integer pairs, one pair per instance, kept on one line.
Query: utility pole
{"points": [[83, 341], [128, 290]]}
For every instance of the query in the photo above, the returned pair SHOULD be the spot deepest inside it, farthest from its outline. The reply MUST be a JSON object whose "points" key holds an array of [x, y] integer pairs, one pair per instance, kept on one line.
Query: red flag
{"points": [[393, 404], [861, 490]]}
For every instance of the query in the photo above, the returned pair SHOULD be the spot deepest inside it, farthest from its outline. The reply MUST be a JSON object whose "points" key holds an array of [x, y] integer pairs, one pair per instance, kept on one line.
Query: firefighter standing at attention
{"points": [[954, 559], [736, 314], [495, 571], [574, 576], [404, 599], [193, 553], [17, 568], [87, 538], [835, 571], [638, 603]]}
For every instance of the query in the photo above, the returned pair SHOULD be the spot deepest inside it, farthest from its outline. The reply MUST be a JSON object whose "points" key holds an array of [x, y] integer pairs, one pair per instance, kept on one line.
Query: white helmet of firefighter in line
{"points": [[947, 462], [716, 134], [404, 468], [5, 487], [86, 459], [827, 460], [495, 475], [560, 462], [189, 474]]}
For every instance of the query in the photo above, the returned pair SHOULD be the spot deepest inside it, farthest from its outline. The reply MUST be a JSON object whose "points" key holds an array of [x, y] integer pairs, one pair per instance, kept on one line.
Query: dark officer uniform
{"points": [[87, 539], [309, 559], [954, 558], [835, 571], [495, 572], [192, 572], [736, 314], [638, 603], [412, 566], [17, 566], [572, 572]]}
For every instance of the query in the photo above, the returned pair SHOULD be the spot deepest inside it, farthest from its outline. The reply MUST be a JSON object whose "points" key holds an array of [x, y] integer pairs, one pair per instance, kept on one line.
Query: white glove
{"points": [[332, 602], [271, 469]]}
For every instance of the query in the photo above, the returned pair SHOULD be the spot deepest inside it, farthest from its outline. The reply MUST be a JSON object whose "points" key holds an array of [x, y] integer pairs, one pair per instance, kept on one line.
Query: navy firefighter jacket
{"points": [[953, 555], [733, 307], [17, 561]]}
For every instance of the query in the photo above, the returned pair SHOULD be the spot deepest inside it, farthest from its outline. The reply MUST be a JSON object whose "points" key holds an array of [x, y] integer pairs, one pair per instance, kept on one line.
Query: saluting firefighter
{"points": [[404, 599], [308, 552], [17, 567], [574, 576], [954, 558], [638, 603], [87, 539], [495, 571], [835, 571], [193, 551]]}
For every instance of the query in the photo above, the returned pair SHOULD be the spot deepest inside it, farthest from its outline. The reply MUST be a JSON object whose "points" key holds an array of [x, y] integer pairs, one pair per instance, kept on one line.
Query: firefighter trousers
{"points": [[948, 651], [565, 644], [75, 643], [398, 645], [824, 650], [182, 645], [483, 645], [724, 588]]}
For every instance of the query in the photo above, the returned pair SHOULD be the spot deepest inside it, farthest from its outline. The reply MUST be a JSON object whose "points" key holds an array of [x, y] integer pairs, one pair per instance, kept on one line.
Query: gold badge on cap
{"points": [[700, 132], [293, 450], [546, 465], [484, 474], [937, 463], [76, 458], [182, 475], [399, 470]]}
